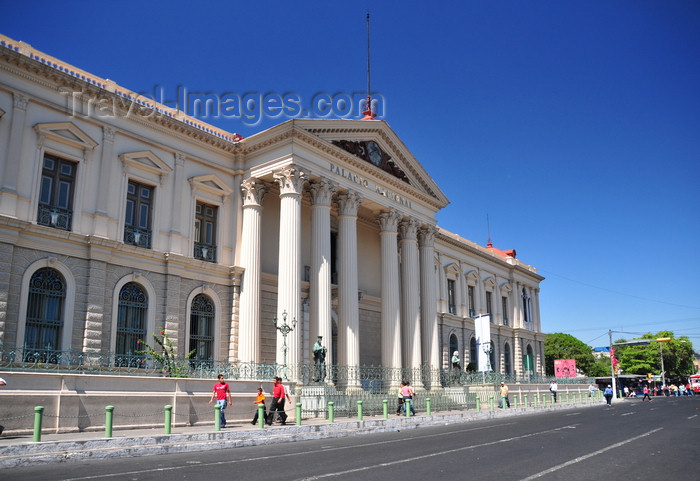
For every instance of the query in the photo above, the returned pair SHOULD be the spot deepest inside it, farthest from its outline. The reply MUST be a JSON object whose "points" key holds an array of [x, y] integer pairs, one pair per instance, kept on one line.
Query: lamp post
{"points": [[285, 329], [661, 342]]}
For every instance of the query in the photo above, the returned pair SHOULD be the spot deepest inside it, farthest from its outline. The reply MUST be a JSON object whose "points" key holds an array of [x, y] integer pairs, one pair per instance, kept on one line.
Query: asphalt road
{"points": [[631, 440]]}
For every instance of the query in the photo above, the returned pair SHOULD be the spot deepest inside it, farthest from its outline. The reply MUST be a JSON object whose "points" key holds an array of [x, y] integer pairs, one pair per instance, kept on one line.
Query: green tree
{"points": [[566, 346], [677, 354], [170, 364], [600, 368]]}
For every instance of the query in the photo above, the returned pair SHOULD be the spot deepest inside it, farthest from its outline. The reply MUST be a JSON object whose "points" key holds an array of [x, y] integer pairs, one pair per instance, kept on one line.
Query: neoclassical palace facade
{"points": [[120, 217]]}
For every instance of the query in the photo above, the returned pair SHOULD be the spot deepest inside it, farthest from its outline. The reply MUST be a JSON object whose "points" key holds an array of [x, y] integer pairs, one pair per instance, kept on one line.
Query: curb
{"points": [[30, 453]]}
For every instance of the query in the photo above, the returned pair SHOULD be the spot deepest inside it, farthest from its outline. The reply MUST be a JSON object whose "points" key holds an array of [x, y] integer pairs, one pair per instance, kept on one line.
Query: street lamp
{"points": [[285, 329], [661, 341]]}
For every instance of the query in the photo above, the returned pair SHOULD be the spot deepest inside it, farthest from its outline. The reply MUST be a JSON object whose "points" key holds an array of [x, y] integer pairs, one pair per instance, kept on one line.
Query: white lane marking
{"points": [[589, 455], [324, 449], [627, 414], [693, 416], [432, 455]]}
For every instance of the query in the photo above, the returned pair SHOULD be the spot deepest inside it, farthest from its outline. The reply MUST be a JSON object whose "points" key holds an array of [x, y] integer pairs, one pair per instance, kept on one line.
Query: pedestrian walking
{"points": [[608, 394], [592, 389], [553, 388], [277, 403], [504, 396], [645, 391], [400, 400], [259, 399], [407, 392], [222, 394]]}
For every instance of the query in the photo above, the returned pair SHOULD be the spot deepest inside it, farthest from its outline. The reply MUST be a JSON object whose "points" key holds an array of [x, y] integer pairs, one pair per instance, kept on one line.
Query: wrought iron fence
{"points": [[368, 379]]}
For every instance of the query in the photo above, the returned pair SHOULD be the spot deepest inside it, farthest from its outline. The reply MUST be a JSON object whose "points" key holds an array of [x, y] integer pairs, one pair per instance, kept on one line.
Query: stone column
{"points": [[253, 191], [348, 304], [410, 297], [391, 312], [291, 181], [101, 222], [428, 306], [320, 281], [8, 191]]}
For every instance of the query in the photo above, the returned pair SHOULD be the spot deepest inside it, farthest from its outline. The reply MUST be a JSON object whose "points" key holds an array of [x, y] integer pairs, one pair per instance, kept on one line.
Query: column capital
{"points": [[321, 191], [388, 220], [20, 101], [408, 229], [426, 235], [291, 180], [348, 203], [108, 133], [253, 192]]}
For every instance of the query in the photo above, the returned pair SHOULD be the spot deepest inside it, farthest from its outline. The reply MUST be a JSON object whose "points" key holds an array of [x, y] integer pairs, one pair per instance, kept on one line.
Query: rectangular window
{"points": [[56, 193], [489, 306], [205, 232], [451, 296], [137, 221], [504, 306], [470, 295]]}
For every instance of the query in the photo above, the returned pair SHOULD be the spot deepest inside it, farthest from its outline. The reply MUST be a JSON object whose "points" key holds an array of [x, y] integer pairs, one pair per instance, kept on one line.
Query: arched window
{"points": [[454, 346], [507, 366], [202, 328], [528, 362], [131, 319], [47, 293], [473, 356]]}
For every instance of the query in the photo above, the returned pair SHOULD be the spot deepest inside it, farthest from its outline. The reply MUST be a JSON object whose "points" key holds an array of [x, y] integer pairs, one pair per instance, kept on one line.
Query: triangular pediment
{"points": [[145, 160], [211, 184], [66, 133], [353, 144]]}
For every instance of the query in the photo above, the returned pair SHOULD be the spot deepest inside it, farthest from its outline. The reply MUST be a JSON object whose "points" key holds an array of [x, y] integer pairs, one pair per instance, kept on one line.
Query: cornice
{"points": [[294, 132], [62, 78]]}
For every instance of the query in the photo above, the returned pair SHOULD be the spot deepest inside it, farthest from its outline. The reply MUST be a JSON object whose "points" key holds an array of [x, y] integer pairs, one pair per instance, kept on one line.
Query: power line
{"points": [[618, 292]]}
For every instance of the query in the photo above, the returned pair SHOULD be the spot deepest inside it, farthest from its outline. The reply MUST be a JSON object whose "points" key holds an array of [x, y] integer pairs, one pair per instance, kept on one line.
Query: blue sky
{"points": [[575, 126]]}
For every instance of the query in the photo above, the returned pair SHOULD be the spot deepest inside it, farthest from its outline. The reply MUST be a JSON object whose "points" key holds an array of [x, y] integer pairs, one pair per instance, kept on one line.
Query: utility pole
{"points": [[612, 365]]}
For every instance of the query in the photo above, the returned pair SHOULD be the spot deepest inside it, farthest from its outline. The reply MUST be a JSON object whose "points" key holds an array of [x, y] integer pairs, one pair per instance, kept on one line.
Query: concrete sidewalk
{"points": [[20, 450]]}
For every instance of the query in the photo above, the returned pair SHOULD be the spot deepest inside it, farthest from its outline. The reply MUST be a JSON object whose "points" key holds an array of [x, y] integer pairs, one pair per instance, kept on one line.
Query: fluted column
{"points": [[410, 297], [291, 181], [391, 310], [249, 320], [320, 289], [348, 306], [428, 307]]}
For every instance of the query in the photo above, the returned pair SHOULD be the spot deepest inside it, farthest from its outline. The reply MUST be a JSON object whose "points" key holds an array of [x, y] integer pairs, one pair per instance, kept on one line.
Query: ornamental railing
{"points": [[376, 379]]}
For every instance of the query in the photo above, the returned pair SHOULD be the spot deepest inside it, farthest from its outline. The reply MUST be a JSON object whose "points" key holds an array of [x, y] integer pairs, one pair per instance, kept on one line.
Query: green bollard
{"points": [[535, 399], [478, 405], [298, 413], [385, 408], [261, 416], [515, 402], [109, 420], [544, 399], [359, 410], [427, 406], [491, 403], [331, 412], [38, 412], [168, 418], [217, 418], [568, 400], [525, 399]]}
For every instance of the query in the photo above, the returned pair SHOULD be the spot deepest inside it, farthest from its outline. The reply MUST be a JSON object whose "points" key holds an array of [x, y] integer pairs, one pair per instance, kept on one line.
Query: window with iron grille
{"points": [[137, 222], [131, 319], [504, 306], [205, 232], [43, 329], [56, 193], [202, 328]]}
